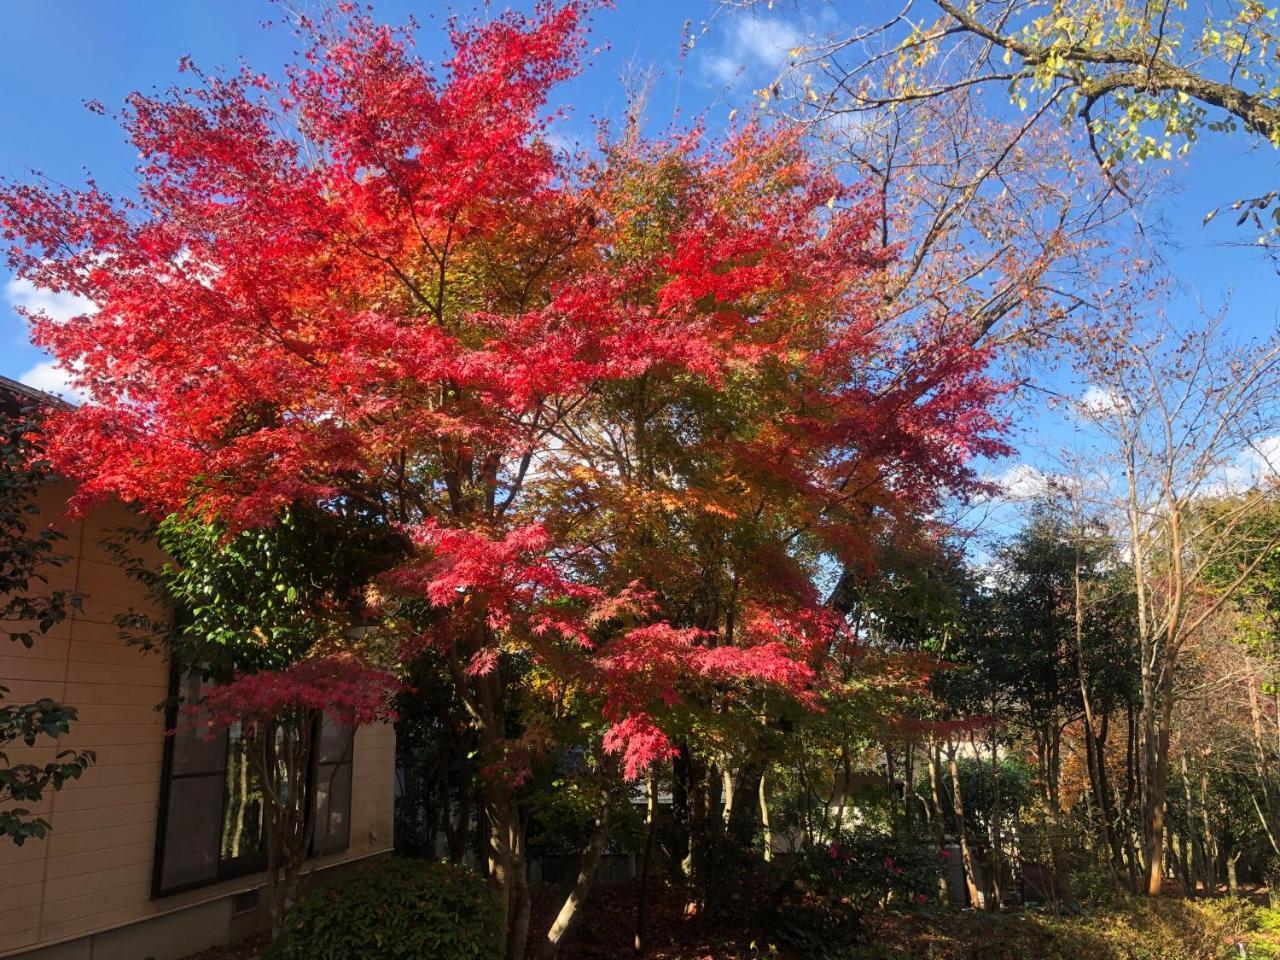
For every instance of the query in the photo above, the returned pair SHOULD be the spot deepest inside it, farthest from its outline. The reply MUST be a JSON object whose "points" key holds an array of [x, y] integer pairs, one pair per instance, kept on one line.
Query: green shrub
{"points": [[1268, 919], [394, 910], [1094, 885], [838, 888]]}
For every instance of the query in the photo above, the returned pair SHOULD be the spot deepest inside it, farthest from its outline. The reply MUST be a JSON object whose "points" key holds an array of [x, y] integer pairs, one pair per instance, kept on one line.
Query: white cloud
{"points": [[1098, 402], [51, 378], [1266, 454], [1022, 481], [31, 300], [59, 307], [1257, 464], [755, 42]]}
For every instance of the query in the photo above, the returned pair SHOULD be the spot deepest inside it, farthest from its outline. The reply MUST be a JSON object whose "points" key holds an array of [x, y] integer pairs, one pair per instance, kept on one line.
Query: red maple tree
{"points": [[625, 408]]}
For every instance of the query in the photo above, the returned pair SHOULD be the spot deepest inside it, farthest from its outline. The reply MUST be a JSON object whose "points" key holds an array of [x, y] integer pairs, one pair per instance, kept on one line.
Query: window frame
{"points": [[248, 864]]}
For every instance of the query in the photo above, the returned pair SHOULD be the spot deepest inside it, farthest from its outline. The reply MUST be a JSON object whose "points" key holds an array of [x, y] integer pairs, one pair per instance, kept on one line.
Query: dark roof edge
{"points": [[20, 391]]}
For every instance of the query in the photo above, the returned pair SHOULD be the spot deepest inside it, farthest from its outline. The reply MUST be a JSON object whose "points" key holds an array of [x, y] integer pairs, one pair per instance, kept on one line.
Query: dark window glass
{"points": [[193, 809], [191, 837], [211, 823], [332, 789]]}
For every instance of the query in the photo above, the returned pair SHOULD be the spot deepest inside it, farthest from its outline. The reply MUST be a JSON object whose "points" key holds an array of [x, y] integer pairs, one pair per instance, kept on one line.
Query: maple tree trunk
{"points": [[570, 914], [455, 821], [680, 811], [741, 815], [729, 780], [651, 822], [765, 826], [507, 870], [697, 864], [283, 771], [508, 876]]}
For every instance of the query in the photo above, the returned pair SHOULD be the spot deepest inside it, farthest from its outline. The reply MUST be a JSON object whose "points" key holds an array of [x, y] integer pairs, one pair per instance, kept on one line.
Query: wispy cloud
{"points": [[29, 299], [51, 378], [1257, 464], [756, 43]]}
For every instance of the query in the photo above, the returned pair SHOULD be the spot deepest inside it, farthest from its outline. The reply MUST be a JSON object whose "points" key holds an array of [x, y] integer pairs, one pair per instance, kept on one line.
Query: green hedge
{"points": [[394, 910]]}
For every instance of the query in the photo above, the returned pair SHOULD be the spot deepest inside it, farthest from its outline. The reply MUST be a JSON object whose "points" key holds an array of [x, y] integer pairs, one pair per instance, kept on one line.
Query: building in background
{"points": [[156, 851]]}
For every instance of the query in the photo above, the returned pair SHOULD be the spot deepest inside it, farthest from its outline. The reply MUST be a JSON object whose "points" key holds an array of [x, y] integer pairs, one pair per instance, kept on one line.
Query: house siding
{"points": [[88, 885]]}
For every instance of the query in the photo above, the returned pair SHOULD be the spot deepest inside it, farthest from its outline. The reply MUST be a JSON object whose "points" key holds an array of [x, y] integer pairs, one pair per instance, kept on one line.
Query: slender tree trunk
{"points": [[506, 869], [651, 823], [1132, 791], [570, 915], [1095, 745], [957, 804], [1157, 784], [741, 814], [1210, 843], [994, 838], [681, 812], [507, 866], [939, 824], [1267, 811], [729, 781], [1185, 868], [908, 778], [765, 825], [1198, 871]]}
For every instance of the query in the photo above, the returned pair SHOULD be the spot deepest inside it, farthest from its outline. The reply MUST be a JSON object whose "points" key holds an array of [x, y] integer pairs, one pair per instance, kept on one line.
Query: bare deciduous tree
{"points": [[1185, 421]]}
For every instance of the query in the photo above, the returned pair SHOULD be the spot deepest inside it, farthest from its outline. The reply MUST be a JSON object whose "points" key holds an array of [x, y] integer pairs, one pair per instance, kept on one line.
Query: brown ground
{"points": [[607, 931]]}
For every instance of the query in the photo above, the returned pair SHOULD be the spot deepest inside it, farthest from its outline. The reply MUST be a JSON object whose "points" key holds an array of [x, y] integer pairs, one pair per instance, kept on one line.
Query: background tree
{"points": [[1183, 414], [1141, 81], [29, 609]]}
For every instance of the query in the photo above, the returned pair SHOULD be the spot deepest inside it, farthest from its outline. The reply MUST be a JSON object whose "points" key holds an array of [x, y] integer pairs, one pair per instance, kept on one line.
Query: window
{"points": [[211, 805], [332, 786], [240, 839]]}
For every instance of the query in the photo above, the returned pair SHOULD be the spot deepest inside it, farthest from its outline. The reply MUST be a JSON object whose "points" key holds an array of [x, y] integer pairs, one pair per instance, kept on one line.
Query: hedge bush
{"points": [[394, 910]]}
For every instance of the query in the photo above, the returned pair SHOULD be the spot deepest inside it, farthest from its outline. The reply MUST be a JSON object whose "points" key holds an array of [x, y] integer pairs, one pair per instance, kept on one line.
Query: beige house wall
{"points": [[85, 891]]}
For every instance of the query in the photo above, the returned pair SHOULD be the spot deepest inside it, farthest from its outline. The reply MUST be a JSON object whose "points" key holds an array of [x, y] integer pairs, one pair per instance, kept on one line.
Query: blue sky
{"points": [[59, 55]]}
